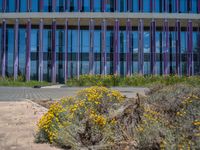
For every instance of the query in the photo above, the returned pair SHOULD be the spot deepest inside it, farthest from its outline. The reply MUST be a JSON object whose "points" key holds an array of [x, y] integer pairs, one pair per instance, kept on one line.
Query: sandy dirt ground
{"points": [[18, 125]]}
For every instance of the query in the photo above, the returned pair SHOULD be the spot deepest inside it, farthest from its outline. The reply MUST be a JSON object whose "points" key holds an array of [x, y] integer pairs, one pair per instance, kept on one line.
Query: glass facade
{"points": [[108, 46], [170, 6]]}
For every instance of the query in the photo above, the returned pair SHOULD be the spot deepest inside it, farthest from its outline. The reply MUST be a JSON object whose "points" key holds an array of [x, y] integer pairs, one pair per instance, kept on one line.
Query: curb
{"points": [[45, 109]]}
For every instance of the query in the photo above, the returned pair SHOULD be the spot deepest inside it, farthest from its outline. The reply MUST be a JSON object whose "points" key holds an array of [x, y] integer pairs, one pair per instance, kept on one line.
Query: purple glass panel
{"points": [[91, 5], [116, 48], [28, 49], [16, 28], [166, 46], [66, 50], [103, 51], [153, 47], [198, 6], [190, 46], [53, 76], [40, 68], [78, 50], [91, 54], [3, 48], [177, 6], [141, 47], [103, 5], [178, 46]]}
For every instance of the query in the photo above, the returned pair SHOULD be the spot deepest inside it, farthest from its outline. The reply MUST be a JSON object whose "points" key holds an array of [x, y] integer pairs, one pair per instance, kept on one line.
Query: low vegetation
{"points": [[168, 117], [135, 80], [9, 81]]}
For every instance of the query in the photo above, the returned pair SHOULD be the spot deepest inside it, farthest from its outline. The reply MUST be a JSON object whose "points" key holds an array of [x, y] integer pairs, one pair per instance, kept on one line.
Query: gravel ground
{"points": [[18, 125]]}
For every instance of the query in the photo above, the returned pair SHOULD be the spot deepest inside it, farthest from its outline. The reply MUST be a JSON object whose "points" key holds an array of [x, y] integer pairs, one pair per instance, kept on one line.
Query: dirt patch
{"points": [[44, 103], [18, 122]]}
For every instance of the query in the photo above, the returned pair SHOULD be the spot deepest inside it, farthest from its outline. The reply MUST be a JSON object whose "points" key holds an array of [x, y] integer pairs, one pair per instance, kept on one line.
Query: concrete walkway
{"points": [[22, 93]]}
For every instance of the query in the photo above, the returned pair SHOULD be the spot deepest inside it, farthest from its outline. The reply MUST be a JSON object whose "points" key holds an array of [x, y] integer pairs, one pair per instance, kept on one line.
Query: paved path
{"points": [[22, 93]]}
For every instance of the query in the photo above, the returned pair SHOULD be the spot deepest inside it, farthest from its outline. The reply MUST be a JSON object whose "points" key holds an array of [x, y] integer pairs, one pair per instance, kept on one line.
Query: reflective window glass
{"points": [[183, 6], [34, 54], [22, 51], [146, 6], [23, 6], [10, 6], [86, 5], [47, 5], [1, 5], [194, 6], [35, 5], [135, 5], [97, 5]]}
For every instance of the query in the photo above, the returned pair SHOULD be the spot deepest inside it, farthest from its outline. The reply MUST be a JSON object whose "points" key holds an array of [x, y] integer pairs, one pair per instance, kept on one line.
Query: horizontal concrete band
{"points": [[98, 16]]}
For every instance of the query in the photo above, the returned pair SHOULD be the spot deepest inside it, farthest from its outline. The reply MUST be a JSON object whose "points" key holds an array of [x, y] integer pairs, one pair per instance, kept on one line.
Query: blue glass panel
{"points": [[59, 5], [158, 6], [109, 6], [172, 6], [183, 6], [47, 5], [74, 6], [135, 52], [97, 5], [10, 52], [35, 5], [135, 5], [97, 41], [86, 5], [85, 47], [34, 54], [0, 48], [184, 52], [22, 51], [146, 6], [1, 5], [194, 6], [10, 6], [122, 6], [23, 6]]}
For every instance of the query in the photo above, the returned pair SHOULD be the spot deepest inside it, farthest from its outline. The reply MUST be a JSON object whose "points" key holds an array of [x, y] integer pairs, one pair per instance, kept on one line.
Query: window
{"points": [[35, 5], [47, 5], [146, 6], [59, 5], [23, 6], [135, 5], [194, 6], [10, 6], [1, 5], [97, 5], [109, 6], [183, 6], [86, 5], [158, 6]]}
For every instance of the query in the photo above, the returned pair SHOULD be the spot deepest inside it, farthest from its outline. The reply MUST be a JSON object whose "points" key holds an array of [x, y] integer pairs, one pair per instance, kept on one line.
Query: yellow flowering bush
{"points": [[83, 118]]}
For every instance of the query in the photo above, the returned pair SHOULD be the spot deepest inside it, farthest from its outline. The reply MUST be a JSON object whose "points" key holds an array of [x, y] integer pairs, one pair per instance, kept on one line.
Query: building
{"points": [[54, 40]]}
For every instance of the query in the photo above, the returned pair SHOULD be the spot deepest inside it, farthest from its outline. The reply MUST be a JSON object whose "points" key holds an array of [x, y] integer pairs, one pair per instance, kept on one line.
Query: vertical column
{"points": [[91, 54], [16, 50], [153, 47], [189, 47], [53, 65], [103, 3], [116, 5], [91, 5], [4, 4], [3, 47], [140, 5], [178, 46], [198, 7], [17, 5], [198, 42], [78, 51], [79, 5], [151, 6], [129, 5], [177, 6], [141, 47], [116, 48], [40, 68], [166, 47], [66, 50], [41, 5], [128, 48], [103, 48], [53, 5], [28, 5], [28, 49]]}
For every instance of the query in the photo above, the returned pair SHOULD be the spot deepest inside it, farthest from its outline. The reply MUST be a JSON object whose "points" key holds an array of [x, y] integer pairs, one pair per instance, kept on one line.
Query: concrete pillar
{"points": [[178, 47], [116, 48], [153, 47], [103, 50], [53, 65], [91, 53], [28, 49], [128, 48], [190, 49], [40, 68], [3, 49], [166, 46], [78, 50], [16, 48], [141, 47], [66, 50]]}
